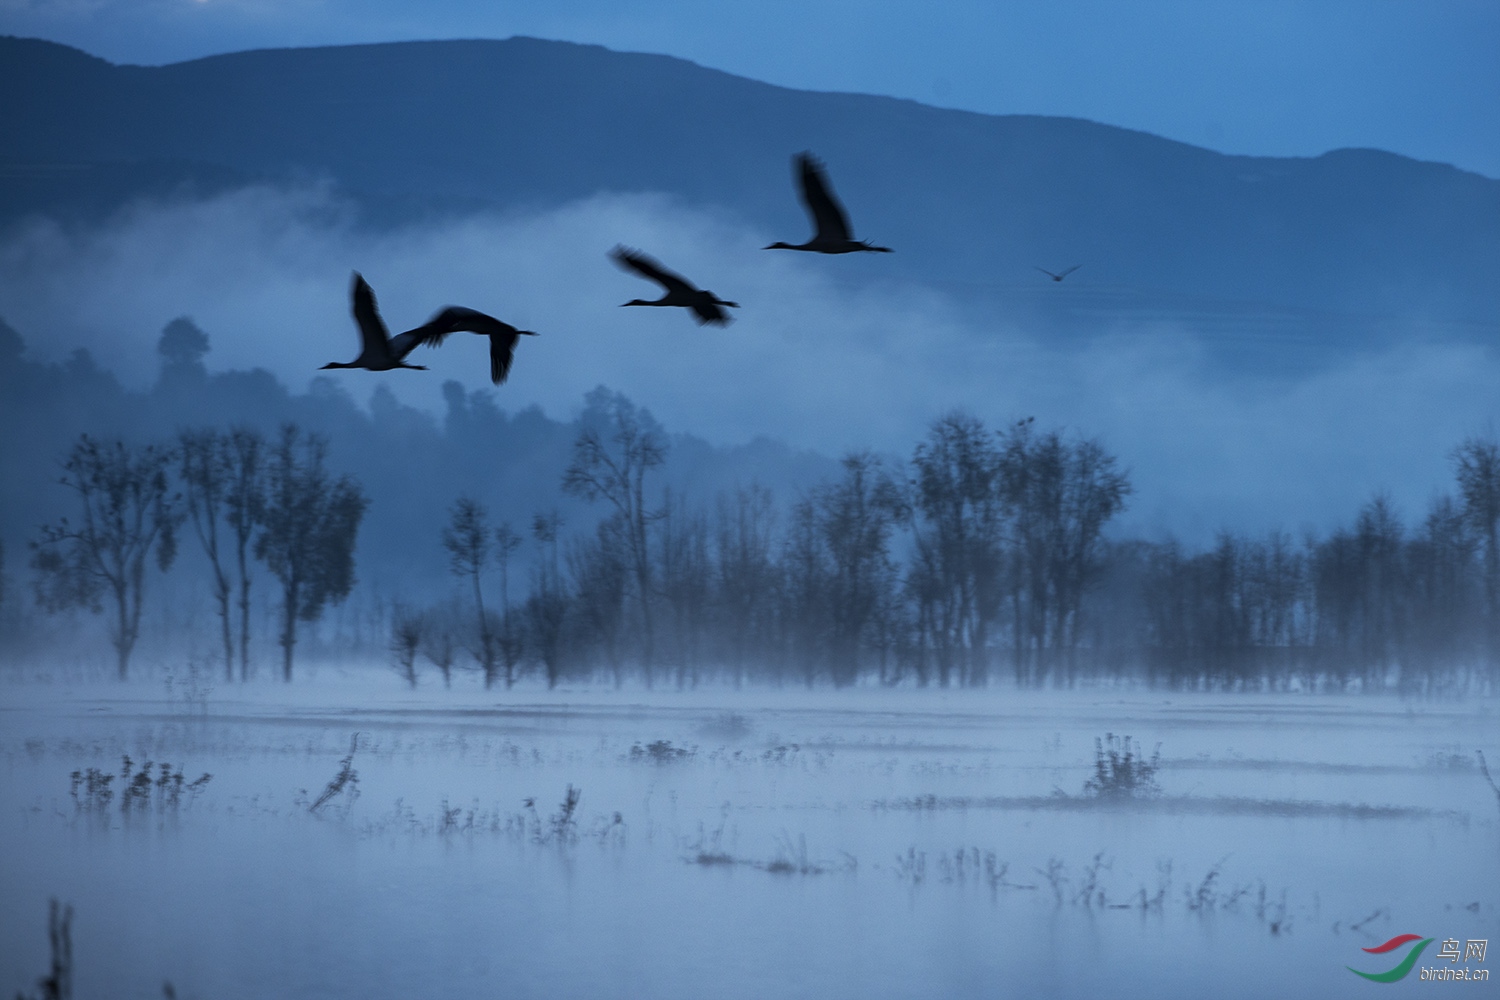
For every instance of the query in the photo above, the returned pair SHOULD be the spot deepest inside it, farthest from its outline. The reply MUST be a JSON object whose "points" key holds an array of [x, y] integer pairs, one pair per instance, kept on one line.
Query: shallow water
{"points": [[833, 844]]}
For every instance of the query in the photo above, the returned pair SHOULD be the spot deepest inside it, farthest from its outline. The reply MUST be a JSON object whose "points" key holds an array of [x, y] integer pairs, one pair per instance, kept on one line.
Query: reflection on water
{"points": [[869, 844]]}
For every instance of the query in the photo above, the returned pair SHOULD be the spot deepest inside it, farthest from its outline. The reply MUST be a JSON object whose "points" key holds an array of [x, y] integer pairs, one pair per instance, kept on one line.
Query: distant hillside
{"points": [[968, 200]]}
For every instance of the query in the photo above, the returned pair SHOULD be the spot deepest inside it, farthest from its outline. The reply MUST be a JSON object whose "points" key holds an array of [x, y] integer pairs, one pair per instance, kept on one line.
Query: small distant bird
{"points": [[679, 291], [380, 352], [1058, 277], [828, 216], [456, 319]]}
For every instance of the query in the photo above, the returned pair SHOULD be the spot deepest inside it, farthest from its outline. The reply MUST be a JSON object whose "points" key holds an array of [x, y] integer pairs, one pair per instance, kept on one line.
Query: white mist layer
{"points": [[816, 363]]}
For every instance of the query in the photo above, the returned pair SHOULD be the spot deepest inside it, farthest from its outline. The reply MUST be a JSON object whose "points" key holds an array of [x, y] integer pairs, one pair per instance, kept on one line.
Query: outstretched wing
{"points": [[374, 336], [828, 216], [1070, 270], [1048, 273], [647, 267], [502, 353], [705, 310]]}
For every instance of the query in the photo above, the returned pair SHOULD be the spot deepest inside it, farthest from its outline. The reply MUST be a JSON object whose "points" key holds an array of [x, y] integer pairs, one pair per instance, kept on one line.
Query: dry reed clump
{"points": [[159, 786], [1121, 771], [660, 752]]}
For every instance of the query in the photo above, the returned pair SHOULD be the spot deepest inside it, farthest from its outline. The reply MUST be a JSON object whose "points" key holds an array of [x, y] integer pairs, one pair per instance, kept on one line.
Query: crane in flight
{"points": [[830, 221], [678, 291], [459, 319], [379, 351], [1060, 275]]}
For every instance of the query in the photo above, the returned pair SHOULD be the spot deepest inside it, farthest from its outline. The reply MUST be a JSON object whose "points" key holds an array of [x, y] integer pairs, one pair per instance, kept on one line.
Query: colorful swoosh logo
{"points": [[1400, 971]]}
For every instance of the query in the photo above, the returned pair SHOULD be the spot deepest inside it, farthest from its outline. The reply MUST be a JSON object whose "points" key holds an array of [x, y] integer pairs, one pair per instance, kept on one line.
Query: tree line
{"points": [[984, 557]]}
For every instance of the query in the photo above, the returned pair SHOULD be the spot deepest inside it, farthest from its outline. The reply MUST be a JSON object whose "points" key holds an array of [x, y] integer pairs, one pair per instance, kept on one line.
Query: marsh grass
{"points": [[1087, 886], [791, 857]]}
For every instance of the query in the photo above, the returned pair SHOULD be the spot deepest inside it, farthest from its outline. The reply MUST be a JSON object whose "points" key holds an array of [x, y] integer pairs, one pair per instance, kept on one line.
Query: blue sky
{"points": [[1271, 77]]}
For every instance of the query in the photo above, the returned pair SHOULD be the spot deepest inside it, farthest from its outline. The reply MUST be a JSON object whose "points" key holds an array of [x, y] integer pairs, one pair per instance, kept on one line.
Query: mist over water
{"points": [[815, 358]]}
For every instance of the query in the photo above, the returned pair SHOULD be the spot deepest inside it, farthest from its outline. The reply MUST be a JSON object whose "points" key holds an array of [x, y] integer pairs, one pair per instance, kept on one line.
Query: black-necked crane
{"points": [[678, 290], [459, 319], [379, 352], [829, 219], [1058, 276]]}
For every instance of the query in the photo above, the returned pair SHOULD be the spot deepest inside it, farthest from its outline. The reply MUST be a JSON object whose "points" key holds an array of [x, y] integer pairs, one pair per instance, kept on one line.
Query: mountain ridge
{"points": [[961, 195]]}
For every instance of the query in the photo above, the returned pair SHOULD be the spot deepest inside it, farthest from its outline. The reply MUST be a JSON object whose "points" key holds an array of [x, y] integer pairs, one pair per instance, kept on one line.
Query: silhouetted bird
{"points": [[380, 351], [828, 216], [455, 319], [1058, 277], [679, 292]]}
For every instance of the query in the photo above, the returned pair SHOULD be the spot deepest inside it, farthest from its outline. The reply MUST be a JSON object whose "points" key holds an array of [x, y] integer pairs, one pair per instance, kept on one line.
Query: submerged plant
{"points": [[1121, 771], [660, 752], [347, 780], [58, 983], [160, 785], [1484, 769]]}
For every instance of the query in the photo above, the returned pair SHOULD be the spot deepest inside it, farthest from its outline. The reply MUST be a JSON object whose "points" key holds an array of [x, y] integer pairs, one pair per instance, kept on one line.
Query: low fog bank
{"points": [[813, 360], [1161, 513]]}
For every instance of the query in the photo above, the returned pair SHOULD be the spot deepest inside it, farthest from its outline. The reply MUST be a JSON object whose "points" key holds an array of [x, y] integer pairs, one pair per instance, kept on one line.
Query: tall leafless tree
{"points": [[855, 517], [506, 543], [244, 505], [746, 570], [957, 494], [547, 605], [205, 467], [469, 542], [616, 473], [1477, 463], [125, 512], [310, 522]]}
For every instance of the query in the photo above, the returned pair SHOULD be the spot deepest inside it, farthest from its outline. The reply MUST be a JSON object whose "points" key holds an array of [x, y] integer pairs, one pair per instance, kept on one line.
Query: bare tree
{"points": [[310, 524], [855, 518], [616, 472], [1060, 496], [438, 643], [547, 605], [805, 592], [599, 575], [746, 568], [124, 513], [406, 638], [244, 505], [506, 543], [958, 496], [686, 578], [469, 543], [204, 464], [1478, 470]]}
